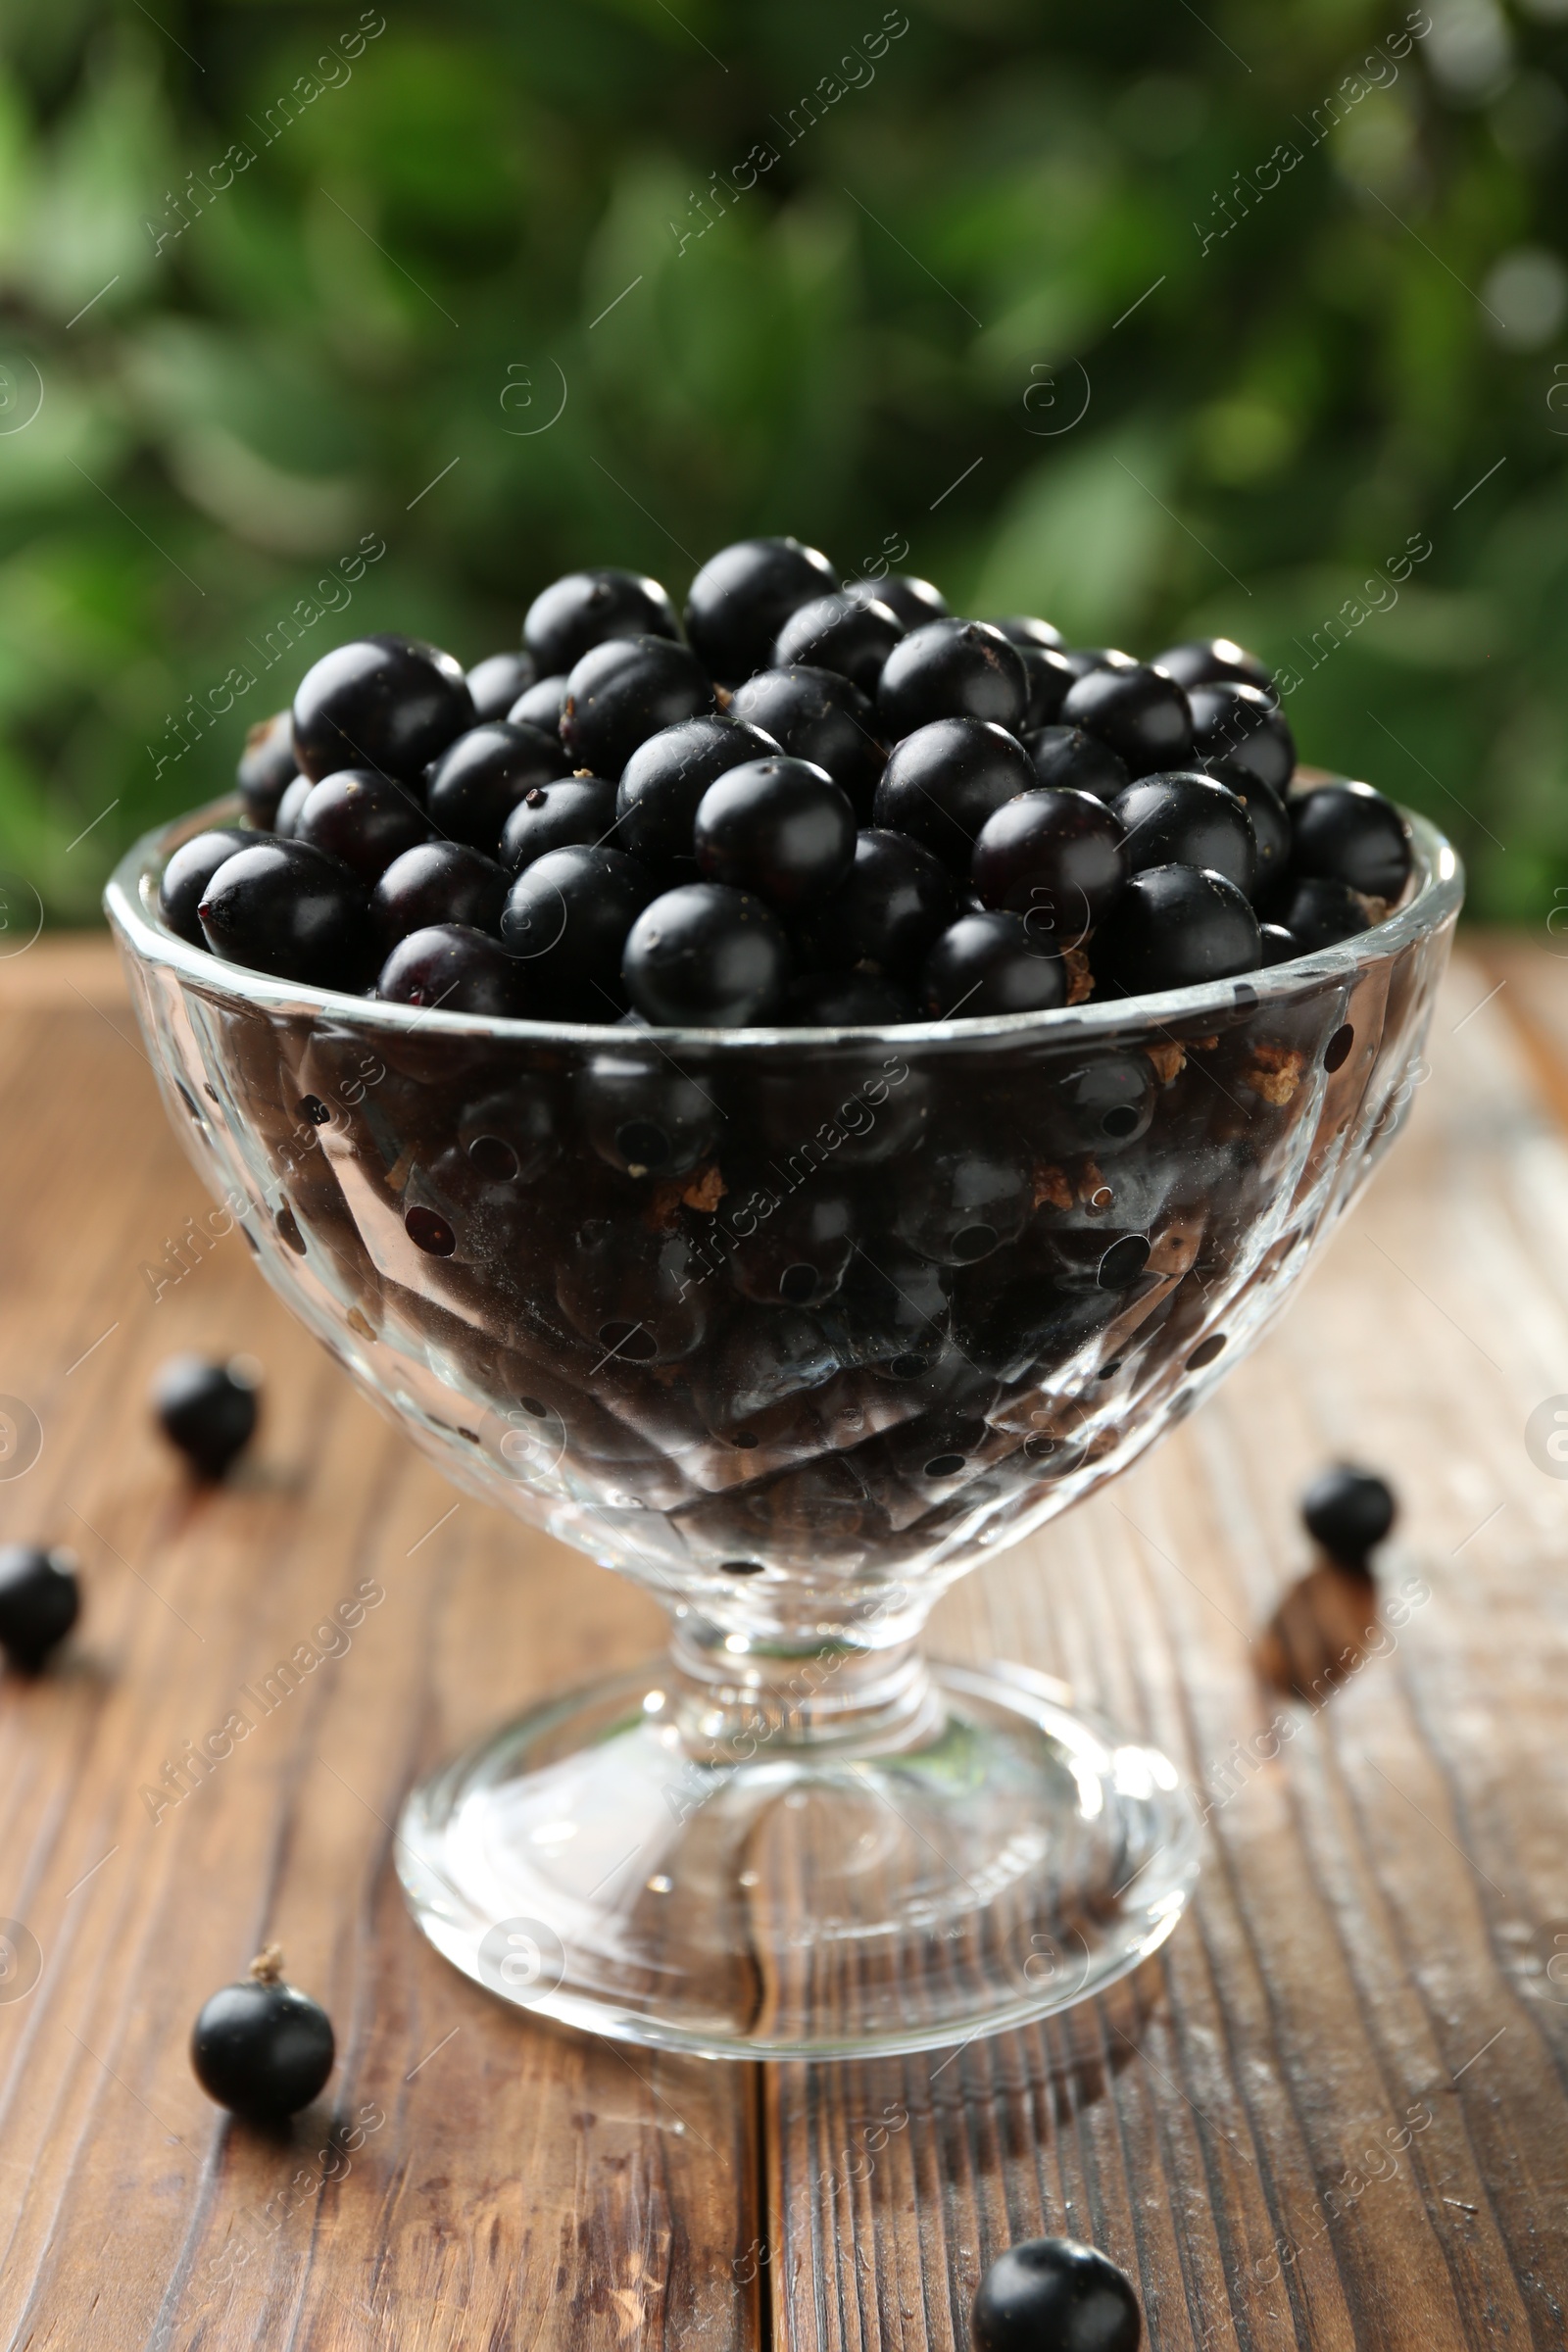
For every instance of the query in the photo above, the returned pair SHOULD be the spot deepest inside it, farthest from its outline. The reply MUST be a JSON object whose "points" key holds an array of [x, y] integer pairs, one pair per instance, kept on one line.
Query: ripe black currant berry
{"points": [[1056, 857], [1025, 628], [449, 969], [1187, 821], [267, 767], [645, 1117], [1213, 662], [495, 683], [439, 882], [664, 780], [989, 963], [625, 690], [1279, 945], [586, 608], [744, 594], [560, 815], [540, 706], [1083, 658], [914, 601], [208, 1410], [1349, 1511], [1067, 760], [853, 636], [1172, 927], [953, 669], [185, 877], [1144, 715], [284, 907], [390, 702], [263, 2048], [943, 782], [845, 1001], [707, 958], [1349, 833], [895, 901], [1049, 681], [1052, 2294], [565, 920], [478, 782], [1317, 911], [818, 715], [1270, 822], [778, 826], [294, 797], [40, 1602], [1247, 727], [363, 819]]}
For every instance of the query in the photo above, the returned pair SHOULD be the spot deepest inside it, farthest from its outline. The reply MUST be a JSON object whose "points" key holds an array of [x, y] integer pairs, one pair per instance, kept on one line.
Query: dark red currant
{"points": [[743, 596], [388, 702], [953, 669], [706, 957]]}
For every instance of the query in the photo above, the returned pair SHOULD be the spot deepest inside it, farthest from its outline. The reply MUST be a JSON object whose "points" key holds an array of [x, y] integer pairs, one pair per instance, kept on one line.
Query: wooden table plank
{"points": [[487, 2179], [1368, 1945]]}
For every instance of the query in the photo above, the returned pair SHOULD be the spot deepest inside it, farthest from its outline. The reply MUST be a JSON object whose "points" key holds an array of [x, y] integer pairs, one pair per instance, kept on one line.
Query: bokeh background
{"points": [[1029, 299]]}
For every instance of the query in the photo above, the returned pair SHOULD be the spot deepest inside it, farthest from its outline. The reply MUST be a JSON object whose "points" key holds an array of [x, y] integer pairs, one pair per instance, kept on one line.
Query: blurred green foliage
{"points": [[273, 270]]}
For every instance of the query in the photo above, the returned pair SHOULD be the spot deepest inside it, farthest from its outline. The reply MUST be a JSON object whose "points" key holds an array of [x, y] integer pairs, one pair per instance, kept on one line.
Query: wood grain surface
{"points": [[1333, 2113]]}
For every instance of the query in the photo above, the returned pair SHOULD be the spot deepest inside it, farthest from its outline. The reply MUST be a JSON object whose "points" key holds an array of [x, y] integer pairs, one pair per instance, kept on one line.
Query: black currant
{"points": [[956, 1201], [1067, 760], [664, 779], [1270, 820], [989, 963], [777, 826], [284, 907], [563, 815], [953, 669], [495, 683], [1049, 681], [1317, 911], [943, 782], [389, 703], [1279, 945], [709, 957], [1174, 926], [1051, 2294], [787, 1244], [293, 801], [1349, 833], [586, 608], [40, 1602], [447, 968], [566, 919], [263, 2048], [1213, 662], [1082, 660], [845, 1001], [363, 819], [1144, 715], [540, 706], [914, 601], [439, 882], [267, 767], [743, 596], [625, 690], [1246, 726], [645, 1117], [1108, 1102], [1349, 1511], [183, 883], [637, 1295], [853, 636], [1025, 628], [478, 782], [818, 715], [1187, 821], [208, 1410], [1057, 858], [897, 898]]}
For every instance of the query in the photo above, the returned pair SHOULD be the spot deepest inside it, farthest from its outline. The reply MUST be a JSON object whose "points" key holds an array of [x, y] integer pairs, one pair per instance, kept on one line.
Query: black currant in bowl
{"points": [[1213, 662], [990, 963], [1141, 713], [893, 902], [1176, 926], [914, 601], [961, 669], [584, 609], [363, 819], [944, 781], [480, 780], [1187, 821], [1058, 858], [388, 702], [777, 826], [743, 596], [818, 715], [449, 967], [183, 883], [285, 907], [625, 690], [1348, 833], [663, 782], [1071, 760], [567, 920], [495, 683], [267, 769], [706, 957], [853, 636], [438, 882], [1246, 726], [567, 813]]}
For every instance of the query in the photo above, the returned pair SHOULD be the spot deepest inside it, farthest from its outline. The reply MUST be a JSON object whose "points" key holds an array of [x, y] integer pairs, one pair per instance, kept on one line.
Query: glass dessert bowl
{"points": [[793, 1327]]}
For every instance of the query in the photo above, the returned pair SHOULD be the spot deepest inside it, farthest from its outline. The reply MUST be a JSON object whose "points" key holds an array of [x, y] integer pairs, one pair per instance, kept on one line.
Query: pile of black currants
{"points": [[813, 805]]}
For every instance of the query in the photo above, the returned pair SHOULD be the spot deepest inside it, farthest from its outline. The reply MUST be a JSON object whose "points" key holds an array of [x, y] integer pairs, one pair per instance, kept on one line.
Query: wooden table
{"points": [[1333, 2113]]}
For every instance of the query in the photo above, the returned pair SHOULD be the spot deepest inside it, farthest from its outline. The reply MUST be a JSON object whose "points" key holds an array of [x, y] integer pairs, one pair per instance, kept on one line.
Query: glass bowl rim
{"points": [[1439, 893]]}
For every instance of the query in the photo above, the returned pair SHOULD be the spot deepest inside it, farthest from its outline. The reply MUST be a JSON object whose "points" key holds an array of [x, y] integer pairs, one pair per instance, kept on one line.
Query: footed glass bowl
{"points": [[793, 1327]]}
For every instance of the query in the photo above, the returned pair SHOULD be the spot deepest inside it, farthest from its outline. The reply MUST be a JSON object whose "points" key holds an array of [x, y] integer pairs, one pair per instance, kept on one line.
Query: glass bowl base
{"points": [[1001, 1857]]}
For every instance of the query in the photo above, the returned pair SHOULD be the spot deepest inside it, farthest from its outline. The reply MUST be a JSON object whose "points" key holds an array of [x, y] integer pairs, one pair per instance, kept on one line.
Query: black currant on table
{"points": [[40, 1602], [914, 601], [743, 596], [944, 781], [625, 690], [261, 2047], [1187, 821], [495, 683], [584, 609], [1349, 833], [267, 767], [449, 967], [853, 636], [566, 814], [1349, 1511], [1144, 715], [284, 907], [777, 826], [1069, 760], [1175, 926], [480, 778], [185, 877], [438, 882], [707, 956], [208, 1410], [665, 780], [363, 819], [1213, 662], [1058, 858], [567, 920], [1052, 2294], [985, 965], [1246, 726], [953, 669], [893, 902], [389, 703], [540, 706], [1317, 911], [818, 715]]}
